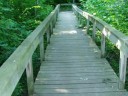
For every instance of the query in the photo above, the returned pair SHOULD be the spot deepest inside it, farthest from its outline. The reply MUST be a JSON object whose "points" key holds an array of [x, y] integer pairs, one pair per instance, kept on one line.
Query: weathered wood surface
{"points": [[115, 36], [73, 66]]}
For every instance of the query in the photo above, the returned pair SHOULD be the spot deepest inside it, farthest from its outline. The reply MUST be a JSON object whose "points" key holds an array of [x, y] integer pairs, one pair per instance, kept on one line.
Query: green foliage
{"points": [[113, 12], [18, 18], [17, 21]]}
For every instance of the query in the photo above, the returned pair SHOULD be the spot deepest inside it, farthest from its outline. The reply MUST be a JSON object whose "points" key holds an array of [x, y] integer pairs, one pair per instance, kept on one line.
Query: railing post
{"points": [[30, 81], [103, 44], [122, 70], [54, 21], [56, 17], [87, 25], [58, 10], [48, 36], [79, 19], [41, 44], [51, 28], [94, 31], [78, 16]]}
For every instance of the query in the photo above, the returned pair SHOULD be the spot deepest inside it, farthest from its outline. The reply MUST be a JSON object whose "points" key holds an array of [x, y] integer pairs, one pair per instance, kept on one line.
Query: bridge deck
{"points": [[73, 66]]}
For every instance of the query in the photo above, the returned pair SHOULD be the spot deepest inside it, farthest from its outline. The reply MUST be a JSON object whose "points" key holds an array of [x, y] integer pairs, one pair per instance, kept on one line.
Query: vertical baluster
{"points": [[51, 29], [29, 74], [122, 70], [103, 44], [87, 25], [56, 17], [48, 36], [58, 10], [94, 31], [78, 16], [54, 21], [80, 20], [41, 47]]}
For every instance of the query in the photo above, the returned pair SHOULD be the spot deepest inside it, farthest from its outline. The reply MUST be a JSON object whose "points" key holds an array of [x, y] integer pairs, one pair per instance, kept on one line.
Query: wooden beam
{"points": [[87, 26], [41, 48], [30, 80], [103, 44], [94, 31], [48, 36], [123, 66]]}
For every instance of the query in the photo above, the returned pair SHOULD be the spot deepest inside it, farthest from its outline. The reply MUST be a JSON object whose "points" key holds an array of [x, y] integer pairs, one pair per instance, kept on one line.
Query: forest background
{"points": [[18, 18]]}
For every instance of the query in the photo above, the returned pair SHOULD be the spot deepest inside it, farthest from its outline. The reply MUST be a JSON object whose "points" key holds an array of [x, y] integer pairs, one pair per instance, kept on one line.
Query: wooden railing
{"points": [[13, 68], [115, 36]]}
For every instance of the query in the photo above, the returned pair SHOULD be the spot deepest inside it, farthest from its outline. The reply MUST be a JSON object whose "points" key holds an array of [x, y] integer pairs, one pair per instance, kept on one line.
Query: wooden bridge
{"points": [[72, 64]]}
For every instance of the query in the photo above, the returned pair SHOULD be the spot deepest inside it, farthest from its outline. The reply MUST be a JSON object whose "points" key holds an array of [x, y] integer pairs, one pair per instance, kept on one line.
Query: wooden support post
{"points": [[80, 21], [122, 70], [55, 18], [30, 81], [51, 28], [87, 26], [77, 14], [41, 44], [79, 18], [103, 44], [73, 10], [48, 36], [58, 11], [94, 31], [54, 21]]}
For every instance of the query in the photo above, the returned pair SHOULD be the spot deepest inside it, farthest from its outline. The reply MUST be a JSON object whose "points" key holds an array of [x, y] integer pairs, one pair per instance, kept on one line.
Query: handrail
{"points": [[115, 36], [21, 59]]}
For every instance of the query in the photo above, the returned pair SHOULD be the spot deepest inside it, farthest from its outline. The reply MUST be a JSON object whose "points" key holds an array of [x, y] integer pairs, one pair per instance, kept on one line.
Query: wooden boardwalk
{"points": [[73, 66]]}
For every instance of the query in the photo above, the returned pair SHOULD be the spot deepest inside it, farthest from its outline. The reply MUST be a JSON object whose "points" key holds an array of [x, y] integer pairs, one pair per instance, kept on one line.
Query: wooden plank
{"points": [[115, 93], [73, 77], [75, 61], [77, 71], [72, 65], [78, 74], [76, 86], [72, 61], [91, 81], [73, 91], [76, 68]]}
